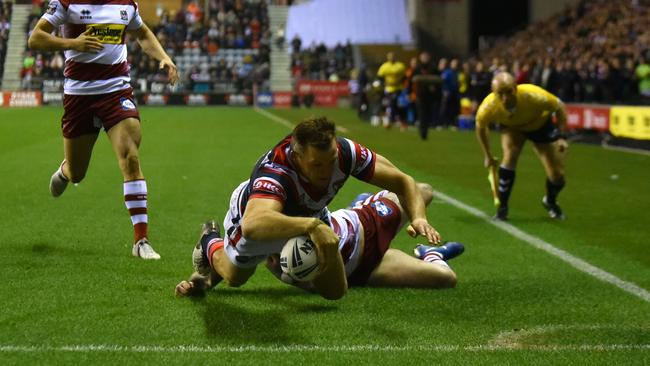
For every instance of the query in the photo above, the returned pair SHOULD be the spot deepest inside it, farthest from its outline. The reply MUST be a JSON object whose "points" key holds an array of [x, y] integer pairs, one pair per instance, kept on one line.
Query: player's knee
{"points": [[426, 191], [450, 280]]}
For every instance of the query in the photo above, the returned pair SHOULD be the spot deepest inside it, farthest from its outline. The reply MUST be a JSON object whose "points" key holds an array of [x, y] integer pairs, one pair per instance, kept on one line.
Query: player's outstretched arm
{"points": [[389, 177], [42, 39], [150, 45]]}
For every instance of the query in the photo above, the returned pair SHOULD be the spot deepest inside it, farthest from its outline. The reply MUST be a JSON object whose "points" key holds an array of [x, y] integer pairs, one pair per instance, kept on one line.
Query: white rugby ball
{"points": [[299, 259]]}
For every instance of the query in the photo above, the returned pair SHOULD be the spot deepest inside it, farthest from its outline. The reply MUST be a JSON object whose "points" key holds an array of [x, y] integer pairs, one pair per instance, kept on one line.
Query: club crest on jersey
{"points": [[381, 208], [51, 9], [127, 104], [85, 14], [124, 15]]}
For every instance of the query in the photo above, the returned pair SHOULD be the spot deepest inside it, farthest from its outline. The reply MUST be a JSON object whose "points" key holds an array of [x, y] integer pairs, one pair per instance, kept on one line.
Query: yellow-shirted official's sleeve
{"points": [[550, 102], [483, 114], [382, 70]]}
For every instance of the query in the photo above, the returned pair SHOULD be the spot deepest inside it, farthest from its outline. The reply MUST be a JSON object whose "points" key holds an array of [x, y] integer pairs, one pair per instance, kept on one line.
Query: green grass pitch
{"points": [[72, 294]]}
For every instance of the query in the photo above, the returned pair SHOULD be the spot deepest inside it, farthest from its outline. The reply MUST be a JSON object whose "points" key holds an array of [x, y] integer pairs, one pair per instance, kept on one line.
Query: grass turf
{"points": [[69, 278]]}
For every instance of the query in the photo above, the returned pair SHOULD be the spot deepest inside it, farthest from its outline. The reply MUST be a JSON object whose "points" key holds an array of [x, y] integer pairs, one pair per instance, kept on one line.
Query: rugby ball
{"points": [[299, 259]]}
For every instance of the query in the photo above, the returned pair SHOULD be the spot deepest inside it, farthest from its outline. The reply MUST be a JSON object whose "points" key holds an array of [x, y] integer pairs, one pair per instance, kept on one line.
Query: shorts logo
{"points": [[127, 104], [123, 15], [381, 208]]}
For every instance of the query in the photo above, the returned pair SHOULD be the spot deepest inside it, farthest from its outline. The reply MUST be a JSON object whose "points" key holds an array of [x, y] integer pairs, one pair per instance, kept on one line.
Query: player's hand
{"points": [[422, 227], [489, 161], [87, 43], [172, 71], [184, 288], [562, 145], [327, 243]]}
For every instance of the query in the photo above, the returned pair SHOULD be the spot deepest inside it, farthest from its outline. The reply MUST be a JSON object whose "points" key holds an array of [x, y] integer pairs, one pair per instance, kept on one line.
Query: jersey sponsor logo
{"points": [[127, 104], [51, 9], [108, 33], [268, 186], [381, 208], [124, 15], [85, 14]]}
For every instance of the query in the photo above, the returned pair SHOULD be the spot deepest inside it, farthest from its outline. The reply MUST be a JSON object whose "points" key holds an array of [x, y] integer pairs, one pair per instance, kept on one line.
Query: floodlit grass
{"points": [[69, 278]]}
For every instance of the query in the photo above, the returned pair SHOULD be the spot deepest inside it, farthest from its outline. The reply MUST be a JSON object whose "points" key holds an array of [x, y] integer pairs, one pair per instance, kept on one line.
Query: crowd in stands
{"points": [[225, 47], [5, 24], [319, 62], [594, 51]]}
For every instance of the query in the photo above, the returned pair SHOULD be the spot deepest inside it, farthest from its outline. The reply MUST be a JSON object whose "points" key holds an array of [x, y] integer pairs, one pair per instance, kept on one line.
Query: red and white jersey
{"points": [[347, 226], [106, 71]]}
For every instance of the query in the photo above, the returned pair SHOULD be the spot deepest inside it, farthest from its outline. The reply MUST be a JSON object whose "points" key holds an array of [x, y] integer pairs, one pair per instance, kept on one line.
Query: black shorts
{"points": [[546, 134]]}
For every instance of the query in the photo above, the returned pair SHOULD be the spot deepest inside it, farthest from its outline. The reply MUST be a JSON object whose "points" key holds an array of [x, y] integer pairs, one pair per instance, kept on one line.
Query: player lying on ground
{"points": [[365, 232], [287, 196]]}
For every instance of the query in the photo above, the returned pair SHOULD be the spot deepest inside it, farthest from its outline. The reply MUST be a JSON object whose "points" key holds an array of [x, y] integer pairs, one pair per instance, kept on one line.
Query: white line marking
{"points": [[517, 338], [286, 122], [630, 150], [95, 348], [538, 243]]}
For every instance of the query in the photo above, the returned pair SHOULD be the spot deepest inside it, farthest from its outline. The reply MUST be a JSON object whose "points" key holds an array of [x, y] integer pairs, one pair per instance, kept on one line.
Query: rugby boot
{"points": [[553, 209], [143, 249], [449, 250], [58, 182]]}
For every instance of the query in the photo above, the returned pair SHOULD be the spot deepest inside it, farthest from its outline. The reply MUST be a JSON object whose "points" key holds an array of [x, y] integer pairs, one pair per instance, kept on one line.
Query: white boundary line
{"points": [[286, 123], [538, 243], [532, 240], [630, 150], [114, 348]]}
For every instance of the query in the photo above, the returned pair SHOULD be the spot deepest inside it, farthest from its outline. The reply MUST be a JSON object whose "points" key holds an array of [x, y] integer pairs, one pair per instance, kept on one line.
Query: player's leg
{"points": [[125, 138], [77, 153], [553, 161], [79, 136], [512, 142], [398, 269]]}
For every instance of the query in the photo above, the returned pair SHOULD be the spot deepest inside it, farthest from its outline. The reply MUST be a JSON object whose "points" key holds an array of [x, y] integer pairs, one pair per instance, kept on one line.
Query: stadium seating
{"points": [[5, 18]]}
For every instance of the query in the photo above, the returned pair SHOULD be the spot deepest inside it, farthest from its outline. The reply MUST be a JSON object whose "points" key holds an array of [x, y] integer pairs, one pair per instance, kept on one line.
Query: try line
{"points": [[114, 348], [532, 240]]}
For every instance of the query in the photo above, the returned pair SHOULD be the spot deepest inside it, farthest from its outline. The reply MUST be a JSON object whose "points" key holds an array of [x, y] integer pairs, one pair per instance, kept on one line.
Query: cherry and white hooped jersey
{"points": [[347, 226], [275, 177], [107, 70]]}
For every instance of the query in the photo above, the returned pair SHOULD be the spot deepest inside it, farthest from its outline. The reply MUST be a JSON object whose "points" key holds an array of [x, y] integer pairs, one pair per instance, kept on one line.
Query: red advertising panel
{"points": [[326, 93], [22, 99], [282, 99], [588, 117]]}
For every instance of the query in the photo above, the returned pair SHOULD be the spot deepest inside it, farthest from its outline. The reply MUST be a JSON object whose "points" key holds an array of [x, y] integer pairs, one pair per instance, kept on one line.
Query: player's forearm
{"points": [[411, 199], [42, 41], [562, 119], [272, 225], [151, 46], [483, 140]]}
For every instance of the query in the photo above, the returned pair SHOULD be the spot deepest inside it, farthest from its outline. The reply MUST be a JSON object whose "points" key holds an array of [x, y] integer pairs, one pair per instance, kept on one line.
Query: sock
{"points": [[435, 258], [506, 181], [59, 172], [553, 189], [135, 198], [211, 243]]}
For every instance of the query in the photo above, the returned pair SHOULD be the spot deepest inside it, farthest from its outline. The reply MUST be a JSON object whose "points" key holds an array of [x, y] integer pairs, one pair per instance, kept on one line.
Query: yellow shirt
{"points": [[393, 73], [534, 106]]}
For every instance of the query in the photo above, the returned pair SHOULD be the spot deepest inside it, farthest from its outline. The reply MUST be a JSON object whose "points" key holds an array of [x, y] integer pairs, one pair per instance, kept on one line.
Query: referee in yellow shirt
{"points": [[393, 72], [524, 112]]}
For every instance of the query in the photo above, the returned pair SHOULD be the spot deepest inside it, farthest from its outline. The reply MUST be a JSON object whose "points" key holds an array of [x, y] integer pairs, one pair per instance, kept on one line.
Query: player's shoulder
{"points": [[487, 105], [534, 92]]}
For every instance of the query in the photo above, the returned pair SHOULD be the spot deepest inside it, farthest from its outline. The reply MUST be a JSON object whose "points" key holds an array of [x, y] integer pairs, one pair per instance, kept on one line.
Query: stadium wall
{"points": [[442, 23], [148, 9], [543, 9]]}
